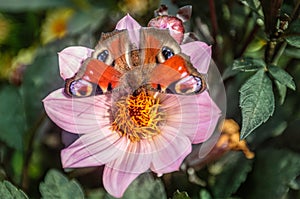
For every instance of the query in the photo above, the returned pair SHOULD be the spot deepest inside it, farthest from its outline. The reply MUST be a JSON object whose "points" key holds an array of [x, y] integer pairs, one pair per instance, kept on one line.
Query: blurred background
{"points": [[264, 165]]}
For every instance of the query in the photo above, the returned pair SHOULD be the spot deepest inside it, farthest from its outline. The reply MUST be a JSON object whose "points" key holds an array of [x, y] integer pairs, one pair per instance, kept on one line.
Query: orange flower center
{"points": [[138, 116]]}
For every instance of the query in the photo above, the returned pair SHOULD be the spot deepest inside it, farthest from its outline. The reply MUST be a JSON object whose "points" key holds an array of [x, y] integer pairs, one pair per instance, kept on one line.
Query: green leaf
{"points": [[82, 20], [57, 186], [281, 90], [79, 22], [40, 78], [282, 76], [294, 38], [204, 194], [248, 64], [20, 5], [235, 168], [144, 187], [292, 52], [273, 172], [9, 191], [12, 122], [256, 102], [96, 194], [180, 195], [17, 163], [293, 41]]}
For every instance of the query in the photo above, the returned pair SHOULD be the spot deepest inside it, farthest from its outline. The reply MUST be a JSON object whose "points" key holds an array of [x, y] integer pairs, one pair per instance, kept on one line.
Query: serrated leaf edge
{"points": [[243, 133], [288, 82]]}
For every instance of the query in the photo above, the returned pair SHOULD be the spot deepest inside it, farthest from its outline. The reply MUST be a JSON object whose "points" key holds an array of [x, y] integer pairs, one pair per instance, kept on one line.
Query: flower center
{"points": [[59, 28], [138, 116]]}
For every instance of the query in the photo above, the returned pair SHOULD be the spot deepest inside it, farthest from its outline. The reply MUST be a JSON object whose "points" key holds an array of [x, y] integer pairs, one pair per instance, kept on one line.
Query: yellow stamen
{"points": [[138, 116]]}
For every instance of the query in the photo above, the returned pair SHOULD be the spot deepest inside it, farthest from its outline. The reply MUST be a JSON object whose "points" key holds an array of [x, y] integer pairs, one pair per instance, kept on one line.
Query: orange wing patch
{"points": [[99, 73], [165, 74]]}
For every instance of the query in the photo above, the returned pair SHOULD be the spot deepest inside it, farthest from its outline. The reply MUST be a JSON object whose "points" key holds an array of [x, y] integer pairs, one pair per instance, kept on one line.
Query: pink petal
{"points": [[135, 160], [78, 115], [200, 54], [136, 157], [208, 118], [93, 149], [133, 27], [195, 115], [116, 182], [71, 58], [170, 148], [128, 23]]}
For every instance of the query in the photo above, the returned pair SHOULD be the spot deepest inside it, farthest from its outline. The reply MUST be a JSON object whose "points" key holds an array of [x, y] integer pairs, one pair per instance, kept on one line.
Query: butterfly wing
{"points": [[101, 72], [177, 75], [171, 70], [114, 49], [94, 77], [166, 73], [152, 43]]}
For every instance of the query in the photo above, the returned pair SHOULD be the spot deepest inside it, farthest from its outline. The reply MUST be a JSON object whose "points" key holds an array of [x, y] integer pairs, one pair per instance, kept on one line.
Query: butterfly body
{"points": [[156, 64]]}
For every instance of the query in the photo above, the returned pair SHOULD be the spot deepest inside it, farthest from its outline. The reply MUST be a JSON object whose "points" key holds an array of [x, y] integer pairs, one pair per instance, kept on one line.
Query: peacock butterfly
{"points": [[156, 63]]}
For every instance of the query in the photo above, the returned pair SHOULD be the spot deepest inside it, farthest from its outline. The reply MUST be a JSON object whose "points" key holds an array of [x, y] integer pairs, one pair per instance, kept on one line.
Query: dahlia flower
{"points": [[132, 133]]}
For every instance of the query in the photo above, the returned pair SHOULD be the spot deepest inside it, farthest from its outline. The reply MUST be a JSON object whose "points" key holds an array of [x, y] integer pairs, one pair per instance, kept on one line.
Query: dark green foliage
{"points": [[273, 173], [256, 47], [12, 122], [9, 191], [57, 186], [235, 169]]}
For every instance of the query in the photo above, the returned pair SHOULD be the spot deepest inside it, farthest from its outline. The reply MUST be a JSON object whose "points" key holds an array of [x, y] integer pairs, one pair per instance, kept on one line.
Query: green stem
{"points": [[28, 152], [3, 166], [279, 53]]}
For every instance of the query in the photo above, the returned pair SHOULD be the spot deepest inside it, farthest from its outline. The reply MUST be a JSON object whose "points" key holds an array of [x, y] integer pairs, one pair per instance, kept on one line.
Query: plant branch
{"points": [[213, 19], [276, 45], [296, 12], [214, 24]]}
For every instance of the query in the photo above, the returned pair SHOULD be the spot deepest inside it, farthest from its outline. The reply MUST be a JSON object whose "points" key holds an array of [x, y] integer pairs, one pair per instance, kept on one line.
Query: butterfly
{"points": [[155, 63]]}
